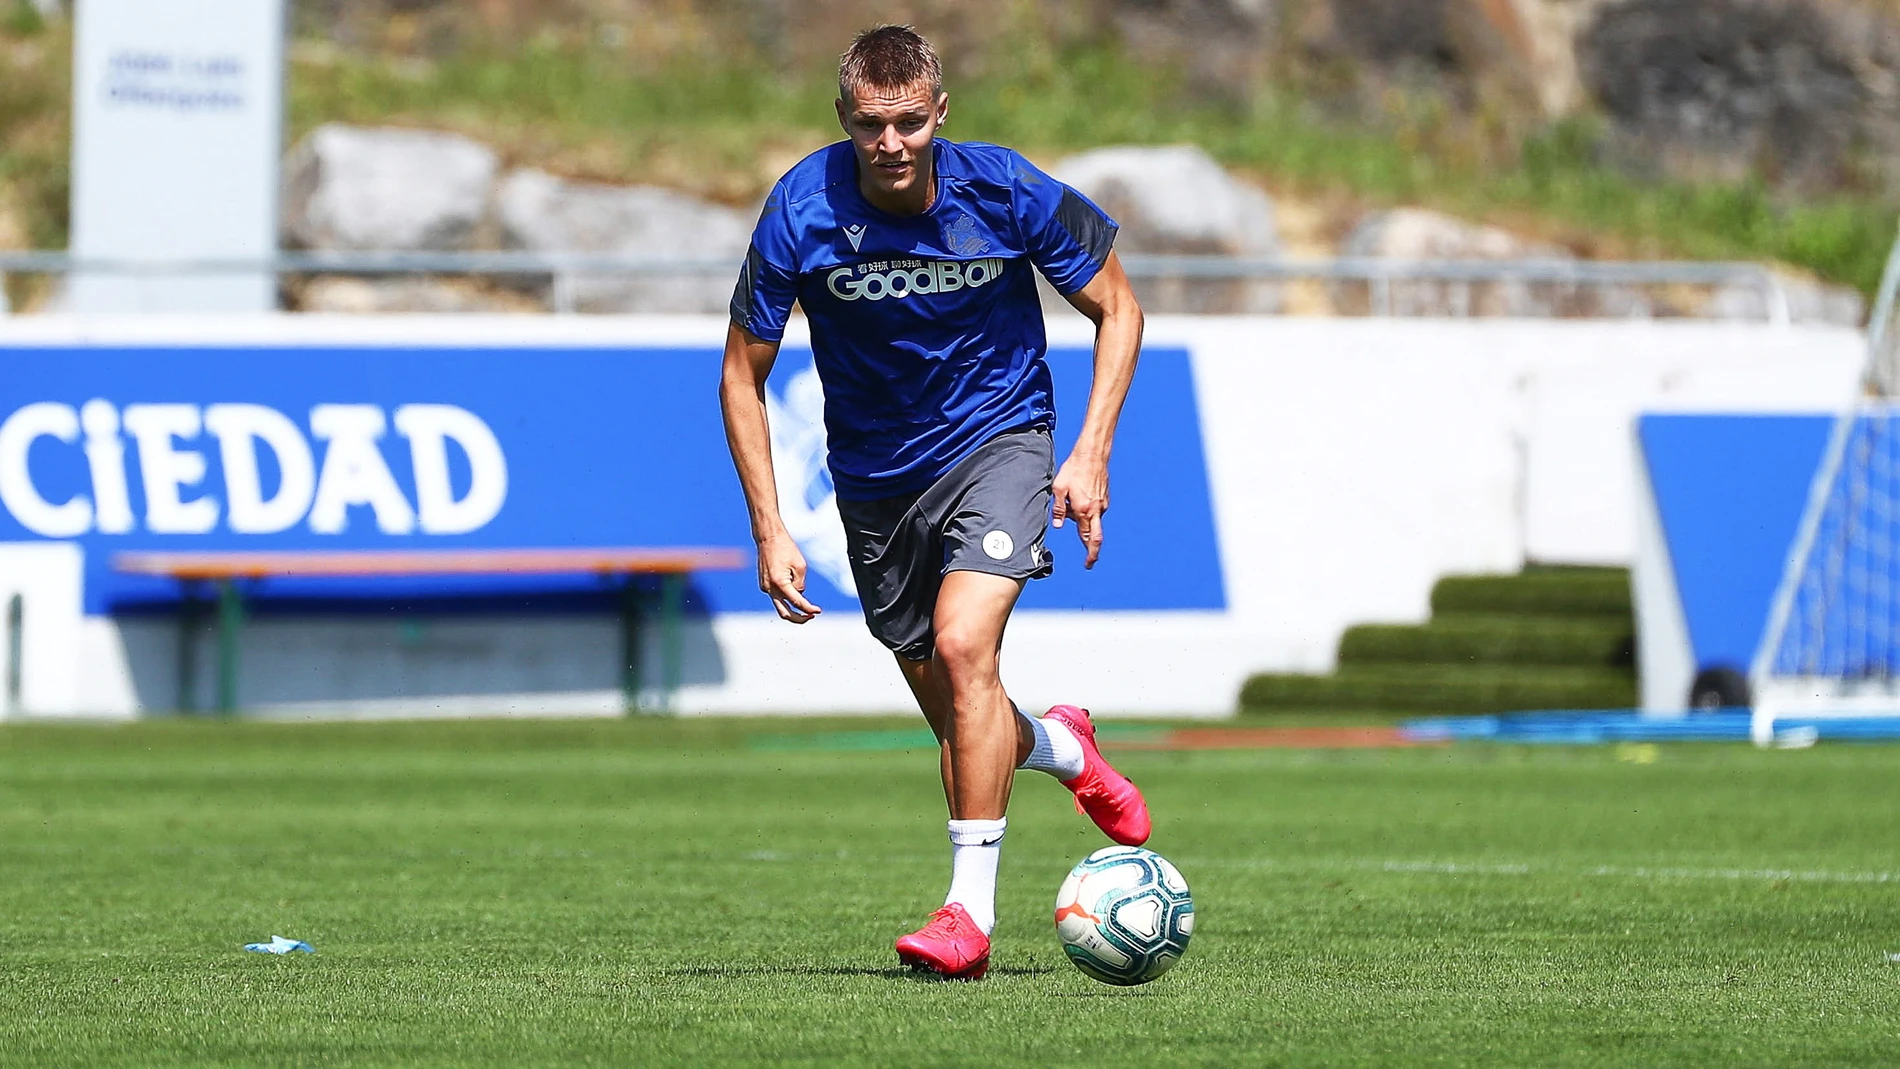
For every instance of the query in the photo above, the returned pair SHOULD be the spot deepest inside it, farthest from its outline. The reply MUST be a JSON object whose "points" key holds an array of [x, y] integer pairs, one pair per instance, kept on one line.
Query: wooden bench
{"points": [[225, 571]]}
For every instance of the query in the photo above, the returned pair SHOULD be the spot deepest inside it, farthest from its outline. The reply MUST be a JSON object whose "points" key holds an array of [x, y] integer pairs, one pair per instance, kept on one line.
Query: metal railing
{"points": [[564, 269]]}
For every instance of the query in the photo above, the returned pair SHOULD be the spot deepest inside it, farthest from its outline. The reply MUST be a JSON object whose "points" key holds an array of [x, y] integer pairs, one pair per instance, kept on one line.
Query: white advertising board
{"points": [[177, 131], [1350, 464]]}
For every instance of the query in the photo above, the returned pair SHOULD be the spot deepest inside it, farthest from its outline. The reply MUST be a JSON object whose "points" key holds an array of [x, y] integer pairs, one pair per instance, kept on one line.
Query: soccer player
{"points": [[913, 258]]}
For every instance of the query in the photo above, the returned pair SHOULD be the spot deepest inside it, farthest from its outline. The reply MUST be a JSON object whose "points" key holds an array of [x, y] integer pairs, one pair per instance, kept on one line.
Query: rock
{"points": [[347, 187], [1177, 200], [1221, 47], [1414, 33], [13, 229], [541, 213], [1174, 199], [1720, 88], [1507, 53], [1808, 301], [1529, 47], [1416, 234], [362, 296]]}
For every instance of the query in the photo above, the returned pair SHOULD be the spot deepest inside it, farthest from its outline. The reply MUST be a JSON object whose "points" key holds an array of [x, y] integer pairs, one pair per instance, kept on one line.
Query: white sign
{"points": [[177, 133]]}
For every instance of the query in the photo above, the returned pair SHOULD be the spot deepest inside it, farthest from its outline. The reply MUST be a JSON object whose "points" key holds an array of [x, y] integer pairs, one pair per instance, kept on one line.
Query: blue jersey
{"points": [[926, 329]]}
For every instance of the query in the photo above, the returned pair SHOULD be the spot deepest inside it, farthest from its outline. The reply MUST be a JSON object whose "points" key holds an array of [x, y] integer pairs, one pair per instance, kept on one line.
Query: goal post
{"points": [[1831, 647]]}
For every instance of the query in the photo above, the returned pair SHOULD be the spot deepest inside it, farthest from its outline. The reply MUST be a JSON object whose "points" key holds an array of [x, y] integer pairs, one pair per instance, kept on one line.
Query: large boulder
{"points": [[1176, 200], [347, 187], [1524, 49], [1416, 234], [539, 212], [1222, 48], [1728, 88], [1509, 52], [345, 295], [1803, 299]]}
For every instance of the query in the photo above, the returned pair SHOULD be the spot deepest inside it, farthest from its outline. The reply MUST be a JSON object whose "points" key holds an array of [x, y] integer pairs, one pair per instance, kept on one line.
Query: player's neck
{"points": [[913, 201]]}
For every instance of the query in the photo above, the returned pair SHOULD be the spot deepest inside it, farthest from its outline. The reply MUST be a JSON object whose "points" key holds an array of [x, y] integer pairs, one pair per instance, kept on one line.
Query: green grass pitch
{"points": [[516, 893]]}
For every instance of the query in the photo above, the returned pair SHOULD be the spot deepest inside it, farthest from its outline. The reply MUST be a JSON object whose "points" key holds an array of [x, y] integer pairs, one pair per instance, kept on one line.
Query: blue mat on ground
{"points": [[1595, 727]]}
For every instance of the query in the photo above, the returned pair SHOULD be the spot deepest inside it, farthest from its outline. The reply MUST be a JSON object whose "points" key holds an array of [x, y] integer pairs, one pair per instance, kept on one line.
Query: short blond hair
{"points": [[889, 57]]}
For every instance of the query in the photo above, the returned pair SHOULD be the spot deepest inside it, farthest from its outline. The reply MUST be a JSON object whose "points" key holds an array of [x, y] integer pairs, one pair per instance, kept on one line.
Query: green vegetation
{"points": [[1572, 592], [1490, 639], [35, 87], [1428, 688], [1551, 638], [514, 893], [726, 128]]}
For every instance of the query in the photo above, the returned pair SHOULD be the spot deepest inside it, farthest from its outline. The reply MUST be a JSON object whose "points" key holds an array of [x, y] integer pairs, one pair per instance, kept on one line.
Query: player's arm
{"points": [[742, 403], [1081, 487]]}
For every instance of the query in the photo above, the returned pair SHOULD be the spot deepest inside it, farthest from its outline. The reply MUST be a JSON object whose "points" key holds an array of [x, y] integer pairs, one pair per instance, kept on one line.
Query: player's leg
{"points": [[990, 515], [985, 733], [1061, 742], [962, 693], [934, 701], [896, 560], [935, 705], [998, 527]]}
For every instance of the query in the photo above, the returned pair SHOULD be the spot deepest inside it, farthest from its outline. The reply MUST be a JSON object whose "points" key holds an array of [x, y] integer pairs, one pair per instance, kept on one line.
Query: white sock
{"points": [[1056, 750], [975, 848]]}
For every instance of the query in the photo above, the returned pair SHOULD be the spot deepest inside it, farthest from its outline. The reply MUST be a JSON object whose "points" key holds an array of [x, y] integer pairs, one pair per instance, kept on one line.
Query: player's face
{"points": [[891, 130]]}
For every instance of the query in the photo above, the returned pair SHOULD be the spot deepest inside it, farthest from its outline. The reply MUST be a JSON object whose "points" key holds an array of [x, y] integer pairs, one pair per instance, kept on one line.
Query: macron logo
{"points": [[855, 234]]}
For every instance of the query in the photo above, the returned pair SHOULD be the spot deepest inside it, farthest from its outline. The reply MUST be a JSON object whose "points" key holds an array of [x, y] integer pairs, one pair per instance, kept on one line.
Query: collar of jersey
{"points": [[937, 155]]}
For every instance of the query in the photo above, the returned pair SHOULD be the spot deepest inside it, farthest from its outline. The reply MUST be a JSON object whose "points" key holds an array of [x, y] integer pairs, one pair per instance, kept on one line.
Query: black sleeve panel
{"points": [[742, 293], [1093, 231]]}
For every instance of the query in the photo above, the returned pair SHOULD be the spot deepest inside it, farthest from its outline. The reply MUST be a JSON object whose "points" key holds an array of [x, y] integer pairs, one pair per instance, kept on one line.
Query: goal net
{"points": [[1831, 647]]}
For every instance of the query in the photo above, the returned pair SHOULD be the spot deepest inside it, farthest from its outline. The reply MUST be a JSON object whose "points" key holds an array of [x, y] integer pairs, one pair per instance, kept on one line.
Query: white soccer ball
{"points": [[1124, 915]]}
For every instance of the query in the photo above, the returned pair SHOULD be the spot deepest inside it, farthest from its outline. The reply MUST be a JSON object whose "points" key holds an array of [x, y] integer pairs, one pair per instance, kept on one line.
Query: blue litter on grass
{"points": [[1585, 727], [279, 945]]}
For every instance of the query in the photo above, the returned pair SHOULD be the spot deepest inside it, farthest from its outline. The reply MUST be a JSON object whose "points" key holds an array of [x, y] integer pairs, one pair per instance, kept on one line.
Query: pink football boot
{"points": [[951, 945], [1102, 794]]}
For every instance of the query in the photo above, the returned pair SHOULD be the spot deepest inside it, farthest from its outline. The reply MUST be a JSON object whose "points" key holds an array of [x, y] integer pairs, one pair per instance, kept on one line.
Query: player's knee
{"points": [[967, 657]]}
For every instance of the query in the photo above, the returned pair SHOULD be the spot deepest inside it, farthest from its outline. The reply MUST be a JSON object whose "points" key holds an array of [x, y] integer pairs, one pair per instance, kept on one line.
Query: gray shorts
{"points": [[987, 514]]}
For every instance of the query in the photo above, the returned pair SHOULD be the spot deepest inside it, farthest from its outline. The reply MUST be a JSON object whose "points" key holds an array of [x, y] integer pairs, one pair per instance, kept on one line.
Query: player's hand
{"points": [[782, 578], [1081, 492]]}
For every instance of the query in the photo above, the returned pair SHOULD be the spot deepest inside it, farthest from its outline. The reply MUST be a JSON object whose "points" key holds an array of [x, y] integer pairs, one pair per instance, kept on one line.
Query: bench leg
{"points": [[187, 702], [672, 609], [230, 621], [630, 645]]}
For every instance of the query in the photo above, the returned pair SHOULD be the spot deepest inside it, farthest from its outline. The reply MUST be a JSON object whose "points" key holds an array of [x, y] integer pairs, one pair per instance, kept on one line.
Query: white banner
{"points": [[1350, 464], [177, 133]]}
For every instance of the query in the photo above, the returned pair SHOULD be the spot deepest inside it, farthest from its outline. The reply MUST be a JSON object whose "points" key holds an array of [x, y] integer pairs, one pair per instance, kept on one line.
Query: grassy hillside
{"points": [[724, 129]]}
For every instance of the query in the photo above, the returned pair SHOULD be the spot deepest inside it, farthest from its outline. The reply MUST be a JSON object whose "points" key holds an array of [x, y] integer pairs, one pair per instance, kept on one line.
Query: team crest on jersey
{"points": [[962, 237]]}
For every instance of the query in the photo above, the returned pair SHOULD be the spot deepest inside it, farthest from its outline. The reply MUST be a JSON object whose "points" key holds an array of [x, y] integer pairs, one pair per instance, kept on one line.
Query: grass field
{"points": [[650, 891]]}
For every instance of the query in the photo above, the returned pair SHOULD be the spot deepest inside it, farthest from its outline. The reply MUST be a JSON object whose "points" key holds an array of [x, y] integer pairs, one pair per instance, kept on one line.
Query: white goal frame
{"points": [[1777, 697]]}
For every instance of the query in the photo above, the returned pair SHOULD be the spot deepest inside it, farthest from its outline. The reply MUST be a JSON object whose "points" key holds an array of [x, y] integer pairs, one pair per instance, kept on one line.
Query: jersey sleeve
{"points": [[1068, 237], [768, 283]]}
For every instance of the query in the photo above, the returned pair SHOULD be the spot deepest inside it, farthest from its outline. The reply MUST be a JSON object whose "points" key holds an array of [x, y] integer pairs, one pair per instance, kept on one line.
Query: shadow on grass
{"points": [[894, 972]]}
